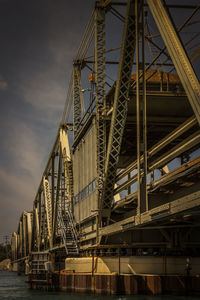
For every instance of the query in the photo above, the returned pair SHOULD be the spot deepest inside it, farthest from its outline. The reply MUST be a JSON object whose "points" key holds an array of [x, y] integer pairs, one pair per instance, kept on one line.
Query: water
{"points": [[13, 286]]}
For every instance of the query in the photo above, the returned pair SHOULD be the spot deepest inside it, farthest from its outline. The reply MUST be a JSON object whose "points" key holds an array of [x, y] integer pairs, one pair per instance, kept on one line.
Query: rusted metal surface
{"points": [[129, 284]]}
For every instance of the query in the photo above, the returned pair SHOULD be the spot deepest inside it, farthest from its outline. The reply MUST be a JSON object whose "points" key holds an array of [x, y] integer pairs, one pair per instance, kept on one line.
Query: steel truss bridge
{"points": [[129, 178]]}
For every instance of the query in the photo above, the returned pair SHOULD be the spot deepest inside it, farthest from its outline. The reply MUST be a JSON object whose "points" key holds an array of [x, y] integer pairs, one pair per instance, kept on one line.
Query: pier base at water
{"points": [[113, 284], [125, 275]]}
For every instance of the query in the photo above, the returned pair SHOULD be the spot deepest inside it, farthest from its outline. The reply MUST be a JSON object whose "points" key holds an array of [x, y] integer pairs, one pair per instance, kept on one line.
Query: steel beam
{"points": [[20, 238], [186, 144], [52, 183], [178, 55], [161, 144], [29, 231], [48, 209], [36, 226], [57, 196], [34, 233], [24, 229], [141, 113], [76, 99], [119, 111], [67, 161], [100, 99]]}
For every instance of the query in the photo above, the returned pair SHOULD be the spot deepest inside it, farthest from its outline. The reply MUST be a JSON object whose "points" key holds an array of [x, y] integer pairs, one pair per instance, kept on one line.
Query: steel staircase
{"points": [[68, 231]]}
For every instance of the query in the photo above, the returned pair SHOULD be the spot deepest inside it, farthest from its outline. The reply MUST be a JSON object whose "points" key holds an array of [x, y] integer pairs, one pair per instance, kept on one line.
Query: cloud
{"points": [[44, 92], [28, 149], [20, 177], [3, 84]]}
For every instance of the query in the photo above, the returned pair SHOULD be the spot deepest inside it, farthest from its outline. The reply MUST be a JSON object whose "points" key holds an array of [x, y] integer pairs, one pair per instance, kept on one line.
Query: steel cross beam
{"points": [[178, 55], [119, 111], [100, 97]]}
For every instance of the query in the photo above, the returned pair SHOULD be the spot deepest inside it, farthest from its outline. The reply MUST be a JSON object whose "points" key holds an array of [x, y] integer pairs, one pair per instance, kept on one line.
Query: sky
{"points": [[39, 40]]}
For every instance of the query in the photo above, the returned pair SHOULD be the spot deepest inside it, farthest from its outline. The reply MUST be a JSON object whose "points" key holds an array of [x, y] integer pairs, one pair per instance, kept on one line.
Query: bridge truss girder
{"points": [[58, 177], [55, 195], [21, 243], [119, 112]]}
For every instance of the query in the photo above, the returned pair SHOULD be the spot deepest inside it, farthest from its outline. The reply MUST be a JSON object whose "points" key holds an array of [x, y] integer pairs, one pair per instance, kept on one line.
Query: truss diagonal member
{"points": [[36, 235], [55, 221], [64, 142], [48, 209], [119, 110], [100, 96], [178, 55]]}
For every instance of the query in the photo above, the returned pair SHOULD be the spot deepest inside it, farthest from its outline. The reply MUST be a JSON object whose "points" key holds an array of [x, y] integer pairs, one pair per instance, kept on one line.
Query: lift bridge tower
{"points": [[123, 176]]}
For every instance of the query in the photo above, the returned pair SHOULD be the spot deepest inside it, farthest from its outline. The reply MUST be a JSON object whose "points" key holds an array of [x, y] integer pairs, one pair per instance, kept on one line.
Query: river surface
{"points": [[13, 286]]}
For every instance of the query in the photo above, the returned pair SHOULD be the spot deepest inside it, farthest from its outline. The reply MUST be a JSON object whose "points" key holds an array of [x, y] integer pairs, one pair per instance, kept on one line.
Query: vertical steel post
{"points": [[100, 100], [57, 195], [144, 106], [76, 100], [141, 114], [40, 218], [138, 107], [34, 231], [52, 183]]}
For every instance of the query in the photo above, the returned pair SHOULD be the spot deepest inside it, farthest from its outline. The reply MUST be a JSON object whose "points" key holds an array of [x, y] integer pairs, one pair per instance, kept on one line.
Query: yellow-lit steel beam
{"points": [[178, 54]]}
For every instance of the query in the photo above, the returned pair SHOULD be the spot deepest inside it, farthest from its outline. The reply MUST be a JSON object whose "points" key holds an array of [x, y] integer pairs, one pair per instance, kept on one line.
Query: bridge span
{"points": [[123, 177]]}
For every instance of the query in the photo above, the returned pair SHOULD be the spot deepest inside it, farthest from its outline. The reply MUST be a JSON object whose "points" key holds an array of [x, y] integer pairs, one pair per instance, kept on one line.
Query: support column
{"points": [[57, 195], [141, 113], [76, 99], [52, 183], [100, 100]]}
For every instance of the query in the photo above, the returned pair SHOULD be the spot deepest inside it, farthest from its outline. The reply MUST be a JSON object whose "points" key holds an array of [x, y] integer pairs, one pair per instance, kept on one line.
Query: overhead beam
{"points": [[178, 54]]}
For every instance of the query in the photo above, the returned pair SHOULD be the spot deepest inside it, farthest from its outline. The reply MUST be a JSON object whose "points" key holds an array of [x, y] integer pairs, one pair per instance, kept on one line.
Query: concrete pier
{"points": [[111, 275]]}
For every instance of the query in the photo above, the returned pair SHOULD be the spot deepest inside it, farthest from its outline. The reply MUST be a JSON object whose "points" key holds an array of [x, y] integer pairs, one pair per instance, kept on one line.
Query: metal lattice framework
{"points": [[178, 55], [100, 96], [21, 240], [48, 209], [76, 98], [119, 109]]}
